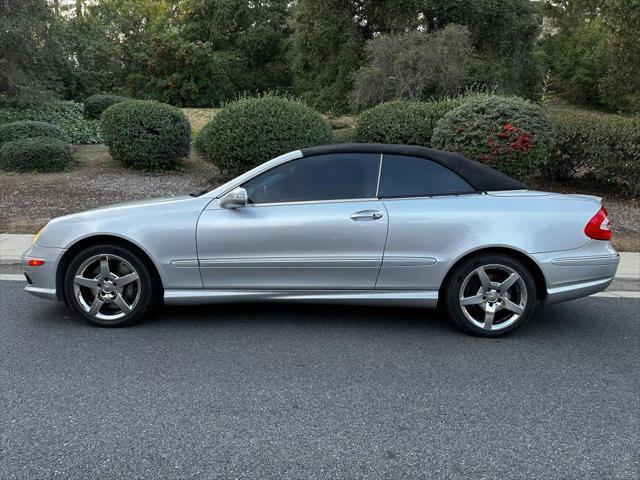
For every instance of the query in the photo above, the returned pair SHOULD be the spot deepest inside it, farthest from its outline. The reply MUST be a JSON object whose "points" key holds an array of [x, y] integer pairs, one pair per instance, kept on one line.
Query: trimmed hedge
{"points": [[41, 154], [510, 134], [403, 122], [66, 115], [30, 129], [96, 104], [146, 134], [595, 146], [251, 131]]}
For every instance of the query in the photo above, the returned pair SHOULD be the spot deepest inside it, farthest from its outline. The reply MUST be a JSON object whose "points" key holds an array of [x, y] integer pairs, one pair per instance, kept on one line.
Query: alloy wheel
{"points": [[107, 287], [493, 297]]}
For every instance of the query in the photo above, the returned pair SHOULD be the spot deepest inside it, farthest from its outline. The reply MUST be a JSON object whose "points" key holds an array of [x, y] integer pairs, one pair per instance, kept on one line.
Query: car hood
{"points": [[148, 201], [123, 219], [118, 209]]}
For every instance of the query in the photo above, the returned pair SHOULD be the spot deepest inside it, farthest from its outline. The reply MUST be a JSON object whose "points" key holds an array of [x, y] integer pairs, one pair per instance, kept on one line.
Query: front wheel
{"points": [[109, 286], [491, 295]]}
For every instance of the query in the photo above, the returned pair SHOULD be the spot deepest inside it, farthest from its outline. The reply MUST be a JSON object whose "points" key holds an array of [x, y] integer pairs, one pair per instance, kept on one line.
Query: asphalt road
{"points": [[289, 391]]}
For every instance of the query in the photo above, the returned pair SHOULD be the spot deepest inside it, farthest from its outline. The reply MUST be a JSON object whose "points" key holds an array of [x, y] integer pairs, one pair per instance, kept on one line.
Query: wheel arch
{"points": [[86, 242], [537, 273]]}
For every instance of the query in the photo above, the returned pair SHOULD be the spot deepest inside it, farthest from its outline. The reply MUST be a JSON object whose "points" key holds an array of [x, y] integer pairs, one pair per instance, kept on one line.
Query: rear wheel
{"points": [[491, 295], [109, 286]]}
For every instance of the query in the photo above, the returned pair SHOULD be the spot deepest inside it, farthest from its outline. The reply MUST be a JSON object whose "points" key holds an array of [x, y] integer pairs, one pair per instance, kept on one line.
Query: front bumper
{"points": [[578, 273], [41, 281]]}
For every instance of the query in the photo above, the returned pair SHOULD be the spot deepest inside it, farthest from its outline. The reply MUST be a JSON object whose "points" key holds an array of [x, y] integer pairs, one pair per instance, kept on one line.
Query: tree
{"points": [[131, 28], [592, 51], [414, 66], [579, 61], [197, 53], [31, 49], [503, 33], [189, 73], [328, 41], [255, 33], [620, 89], [94, 65], [326, 49]]}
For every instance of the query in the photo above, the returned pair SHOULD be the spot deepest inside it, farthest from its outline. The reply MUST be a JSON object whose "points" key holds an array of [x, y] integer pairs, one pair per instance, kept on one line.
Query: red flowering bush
{"points": [[507, 133]]}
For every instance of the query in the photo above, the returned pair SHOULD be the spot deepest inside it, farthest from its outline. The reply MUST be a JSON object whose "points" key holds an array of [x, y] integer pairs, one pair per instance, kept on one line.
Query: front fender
{"points": [[165, 231]]}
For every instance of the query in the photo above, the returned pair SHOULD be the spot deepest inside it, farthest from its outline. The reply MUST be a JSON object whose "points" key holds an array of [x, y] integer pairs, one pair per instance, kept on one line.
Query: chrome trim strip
{"points": [[399, 261], [312, 202], [184, 263], [421, 298], [379, 175], [427, 197]]}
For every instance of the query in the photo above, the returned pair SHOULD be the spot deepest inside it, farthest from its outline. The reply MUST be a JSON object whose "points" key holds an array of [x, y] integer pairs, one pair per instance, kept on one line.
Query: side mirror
{"points": [[236, 198]]}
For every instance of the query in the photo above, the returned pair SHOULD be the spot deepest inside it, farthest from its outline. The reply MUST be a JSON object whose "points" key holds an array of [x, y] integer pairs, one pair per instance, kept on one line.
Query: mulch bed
{"points": [[29, 200]]}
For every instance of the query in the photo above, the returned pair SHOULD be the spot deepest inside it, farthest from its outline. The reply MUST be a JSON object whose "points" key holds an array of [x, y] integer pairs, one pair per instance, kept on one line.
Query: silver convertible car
{"points": [[354, 223]]}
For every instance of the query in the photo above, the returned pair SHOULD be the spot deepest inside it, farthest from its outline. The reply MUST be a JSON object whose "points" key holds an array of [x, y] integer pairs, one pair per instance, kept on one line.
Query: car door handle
{"points": [[367, 215]]}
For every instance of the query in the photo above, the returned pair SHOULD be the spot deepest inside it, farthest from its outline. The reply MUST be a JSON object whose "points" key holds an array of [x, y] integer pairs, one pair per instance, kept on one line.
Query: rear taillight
{"points": [[599, 227]]}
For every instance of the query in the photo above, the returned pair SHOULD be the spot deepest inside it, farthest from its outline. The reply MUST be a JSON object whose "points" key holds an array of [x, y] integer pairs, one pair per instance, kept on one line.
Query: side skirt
{"points": [[414, 298]]}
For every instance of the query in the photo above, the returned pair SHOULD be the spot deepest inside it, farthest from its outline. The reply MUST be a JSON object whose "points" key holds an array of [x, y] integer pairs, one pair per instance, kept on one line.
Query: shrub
{"points": [[251, 131], [30, 129], [601, 147], [43, 154], [508, 133], [66, 115], [403, 122], [96, 104], [146, 134]]}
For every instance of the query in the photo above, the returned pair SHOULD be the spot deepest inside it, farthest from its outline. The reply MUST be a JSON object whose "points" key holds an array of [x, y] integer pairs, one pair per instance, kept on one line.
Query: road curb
{"points": [[13, 245]]}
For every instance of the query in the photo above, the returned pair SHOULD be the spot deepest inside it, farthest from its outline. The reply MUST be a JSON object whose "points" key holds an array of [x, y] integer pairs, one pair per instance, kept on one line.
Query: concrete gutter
{"points": [[13, 245]]}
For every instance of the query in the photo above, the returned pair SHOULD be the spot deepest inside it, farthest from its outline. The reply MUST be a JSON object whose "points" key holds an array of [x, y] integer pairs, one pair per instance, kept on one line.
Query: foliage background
{"points": [[202, 53]]}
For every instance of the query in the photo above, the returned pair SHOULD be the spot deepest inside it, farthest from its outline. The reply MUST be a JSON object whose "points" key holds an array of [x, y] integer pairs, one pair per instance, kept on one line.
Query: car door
{"points": [[425, 202], [310, 223]]}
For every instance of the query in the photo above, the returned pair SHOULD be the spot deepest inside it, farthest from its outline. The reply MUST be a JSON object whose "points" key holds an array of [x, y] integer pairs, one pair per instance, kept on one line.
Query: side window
{"points": [[321, 177], [404, 176]]}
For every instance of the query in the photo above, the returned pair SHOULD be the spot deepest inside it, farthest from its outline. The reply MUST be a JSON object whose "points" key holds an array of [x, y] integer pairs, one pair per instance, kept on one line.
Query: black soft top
{"points": [[479, 176]]}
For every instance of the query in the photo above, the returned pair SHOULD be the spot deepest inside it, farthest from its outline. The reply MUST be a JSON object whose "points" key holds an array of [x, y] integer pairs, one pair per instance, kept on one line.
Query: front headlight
{"points": [[35, 239]]}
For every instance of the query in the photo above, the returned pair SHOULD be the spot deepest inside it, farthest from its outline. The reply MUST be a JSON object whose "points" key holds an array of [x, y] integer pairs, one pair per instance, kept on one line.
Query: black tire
{"points": [[139, 295], [513, 308]]}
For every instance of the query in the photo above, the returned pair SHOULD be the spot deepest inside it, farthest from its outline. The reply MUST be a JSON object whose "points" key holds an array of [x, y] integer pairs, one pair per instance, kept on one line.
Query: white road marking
{"points": [[617, 294]]}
